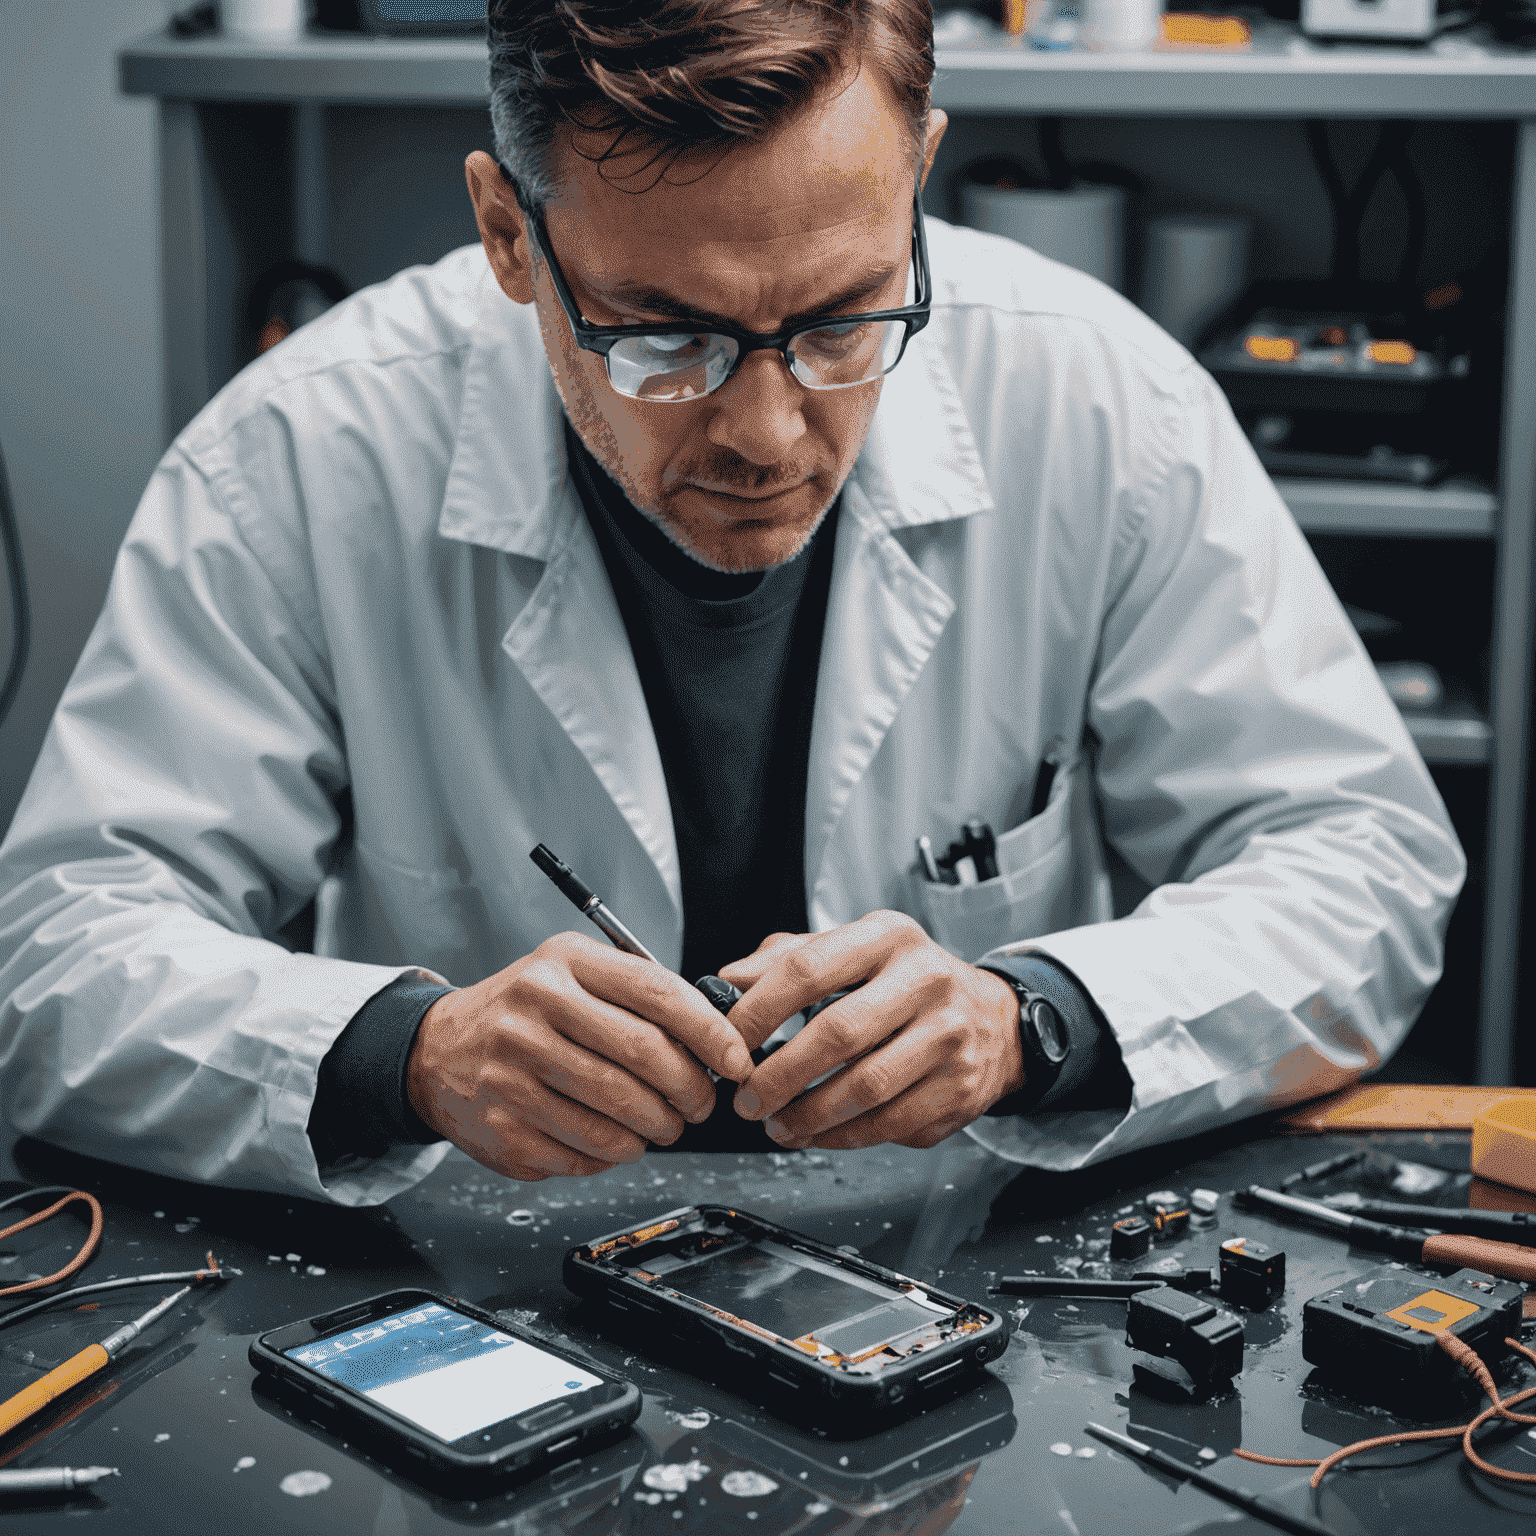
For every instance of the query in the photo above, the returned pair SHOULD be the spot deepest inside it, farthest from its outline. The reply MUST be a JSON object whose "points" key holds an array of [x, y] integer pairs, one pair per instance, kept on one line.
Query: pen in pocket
{"points": [[973, 858], [968, 862], [1045, 777]]}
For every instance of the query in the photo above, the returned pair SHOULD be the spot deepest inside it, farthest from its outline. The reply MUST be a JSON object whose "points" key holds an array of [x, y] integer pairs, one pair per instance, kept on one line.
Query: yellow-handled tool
{"points": [[61, 1378]]}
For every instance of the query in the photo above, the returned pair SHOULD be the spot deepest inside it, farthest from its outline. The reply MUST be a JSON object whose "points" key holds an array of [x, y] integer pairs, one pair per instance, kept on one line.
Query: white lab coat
{"points": [[363, 566]]}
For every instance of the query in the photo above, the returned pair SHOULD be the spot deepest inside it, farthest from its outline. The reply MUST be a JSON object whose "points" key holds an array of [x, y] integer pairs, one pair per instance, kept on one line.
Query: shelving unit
{"points": [[1459, 509], [213, 242]]}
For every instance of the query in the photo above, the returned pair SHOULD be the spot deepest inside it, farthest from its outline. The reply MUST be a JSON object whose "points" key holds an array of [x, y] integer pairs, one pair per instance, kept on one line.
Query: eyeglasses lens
{"points": [[839, 355], [686, 365], [679, 367]]}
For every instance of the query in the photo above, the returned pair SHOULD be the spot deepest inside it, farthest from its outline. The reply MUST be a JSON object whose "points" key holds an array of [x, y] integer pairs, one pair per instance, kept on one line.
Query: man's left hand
{"points": [[926, 1044]]}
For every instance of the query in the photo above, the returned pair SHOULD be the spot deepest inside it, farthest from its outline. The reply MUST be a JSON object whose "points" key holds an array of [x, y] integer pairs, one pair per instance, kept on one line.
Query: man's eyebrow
{"points": [[658, 301]]}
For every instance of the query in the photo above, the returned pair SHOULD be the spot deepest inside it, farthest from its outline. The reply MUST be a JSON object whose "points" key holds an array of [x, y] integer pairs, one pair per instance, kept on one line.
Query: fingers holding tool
{"points": [[923, 1046]]}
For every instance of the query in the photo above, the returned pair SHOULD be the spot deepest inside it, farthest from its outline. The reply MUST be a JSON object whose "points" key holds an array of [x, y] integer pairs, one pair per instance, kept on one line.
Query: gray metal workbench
{"points": [[213, 241]]}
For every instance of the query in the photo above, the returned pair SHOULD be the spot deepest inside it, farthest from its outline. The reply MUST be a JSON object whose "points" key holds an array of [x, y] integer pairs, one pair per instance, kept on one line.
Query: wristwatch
{"points": [[1045, 1041]]}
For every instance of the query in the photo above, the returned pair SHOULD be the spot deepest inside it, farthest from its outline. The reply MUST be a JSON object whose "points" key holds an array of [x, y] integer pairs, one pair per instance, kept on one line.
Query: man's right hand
{"points": [[569, 1061]]}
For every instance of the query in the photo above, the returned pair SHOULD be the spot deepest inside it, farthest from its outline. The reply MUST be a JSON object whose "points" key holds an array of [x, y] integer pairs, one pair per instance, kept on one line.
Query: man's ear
{"points": [[503, 229], [937, 122]]}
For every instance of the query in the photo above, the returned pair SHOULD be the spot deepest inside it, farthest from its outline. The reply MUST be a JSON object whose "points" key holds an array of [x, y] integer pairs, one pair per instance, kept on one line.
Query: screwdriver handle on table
{"points": [[1260, 1509], [1511, 1261], [58, 1381]]}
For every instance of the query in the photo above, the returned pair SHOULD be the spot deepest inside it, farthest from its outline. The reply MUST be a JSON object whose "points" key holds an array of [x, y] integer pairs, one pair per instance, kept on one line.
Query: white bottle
{"points": [[263, 21], [1110, 25]]}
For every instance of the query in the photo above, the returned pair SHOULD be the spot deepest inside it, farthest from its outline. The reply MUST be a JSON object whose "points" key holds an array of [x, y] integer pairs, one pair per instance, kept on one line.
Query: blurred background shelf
{"points": [[1456, 735], [1458, 509], [345, 152], [1283, 74]]}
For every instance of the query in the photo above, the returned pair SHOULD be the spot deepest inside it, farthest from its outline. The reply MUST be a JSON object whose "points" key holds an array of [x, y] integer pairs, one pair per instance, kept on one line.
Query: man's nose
{"points": [[758, 415]]}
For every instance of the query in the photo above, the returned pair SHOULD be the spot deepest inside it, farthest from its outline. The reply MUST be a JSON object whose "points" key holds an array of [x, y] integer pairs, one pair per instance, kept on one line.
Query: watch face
{"points": [[1049, 1033]]}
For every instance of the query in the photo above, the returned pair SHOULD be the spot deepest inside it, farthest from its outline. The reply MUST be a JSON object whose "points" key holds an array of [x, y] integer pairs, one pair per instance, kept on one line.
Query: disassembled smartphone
{"points": [[793, 1315], [453, 1392]]}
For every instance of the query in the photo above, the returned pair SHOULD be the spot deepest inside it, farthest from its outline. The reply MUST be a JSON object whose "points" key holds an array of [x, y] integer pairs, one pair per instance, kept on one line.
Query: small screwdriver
{"points": [[77, 1368], [1501, 1226], [1260, 1509], [1422, 1245], [51, 1479]]}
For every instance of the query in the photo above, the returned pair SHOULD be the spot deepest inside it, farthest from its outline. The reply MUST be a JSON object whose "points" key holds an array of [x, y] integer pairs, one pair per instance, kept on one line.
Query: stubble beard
{"points": [[597, 434]]}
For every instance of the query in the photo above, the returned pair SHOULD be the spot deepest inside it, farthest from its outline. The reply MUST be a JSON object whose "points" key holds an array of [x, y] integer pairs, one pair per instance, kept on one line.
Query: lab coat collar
{"points": [[508, 470]]}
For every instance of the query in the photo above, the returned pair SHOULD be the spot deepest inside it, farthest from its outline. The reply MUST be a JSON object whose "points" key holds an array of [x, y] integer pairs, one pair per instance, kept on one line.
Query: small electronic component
{"points": [[1168, 1213], [1203, 1202], [1311, 344], [1252, 1274], [1195, 1348], [1376, 1334], [1130, 1238], [1271, 349]]}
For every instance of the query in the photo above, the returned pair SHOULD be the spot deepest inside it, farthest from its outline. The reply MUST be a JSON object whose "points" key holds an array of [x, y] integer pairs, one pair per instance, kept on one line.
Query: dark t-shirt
{"points": [[728, 665]]}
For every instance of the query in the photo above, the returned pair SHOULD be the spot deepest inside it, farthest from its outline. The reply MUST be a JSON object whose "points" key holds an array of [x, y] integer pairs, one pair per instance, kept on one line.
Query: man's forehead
{"points": [[756, 273]]}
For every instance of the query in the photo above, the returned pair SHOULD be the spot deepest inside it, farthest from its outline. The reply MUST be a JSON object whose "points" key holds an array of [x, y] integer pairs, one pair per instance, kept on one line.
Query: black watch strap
{"points": [[1046, 1043]]}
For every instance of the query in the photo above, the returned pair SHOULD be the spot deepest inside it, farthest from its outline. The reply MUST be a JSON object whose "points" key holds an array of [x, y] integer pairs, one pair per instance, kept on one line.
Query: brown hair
{"points": [[670, 76]]}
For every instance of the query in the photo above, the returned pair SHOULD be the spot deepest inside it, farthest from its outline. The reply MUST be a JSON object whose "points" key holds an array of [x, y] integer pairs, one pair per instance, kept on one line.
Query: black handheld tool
{"points": [[1070, 1285], [1325, 1169], [721, 994], [1420, 1245], [590, 904], [1259, 1508], [981, 845], [1501, 1226]]}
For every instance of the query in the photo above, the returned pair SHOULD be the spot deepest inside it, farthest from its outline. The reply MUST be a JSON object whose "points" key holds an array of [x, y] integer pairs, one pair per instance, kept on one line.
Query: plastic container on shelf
{"points": [[1504, 1143]]}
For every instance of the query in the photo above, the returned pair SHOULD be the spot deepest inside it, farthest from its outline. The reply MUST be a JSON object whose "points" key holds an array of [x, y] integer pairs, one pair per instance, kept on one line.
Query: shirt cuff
{"points": [[361, 1108], [1094, 1076]]}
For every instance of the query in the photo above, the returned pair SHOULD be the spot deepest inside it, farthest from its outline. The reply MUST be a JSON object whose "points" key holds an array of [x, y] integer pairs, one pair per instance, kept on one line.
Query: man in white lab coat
{"points": [[618, 533]]}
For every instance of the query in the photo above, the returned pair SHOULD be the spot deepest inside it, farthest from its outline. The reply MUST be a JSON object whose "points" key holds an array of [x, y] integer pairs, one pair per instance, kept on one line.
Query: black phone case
{"points": [[425, 1456], [760, 1364]]}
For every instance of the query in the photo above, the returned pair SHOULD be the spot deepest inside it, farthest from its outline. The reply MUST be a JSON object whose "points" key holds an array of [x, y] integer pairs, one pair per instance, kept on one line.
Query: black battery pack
{"points": [[1375, 1336], [1252, 1274], [1196, 1348]]}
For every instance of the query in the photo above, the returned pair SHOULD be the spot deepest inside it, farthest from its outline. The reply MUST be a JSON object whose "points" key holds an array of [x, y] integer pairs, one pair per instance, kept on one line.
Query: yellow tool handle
{"points": [[57, 1382]]}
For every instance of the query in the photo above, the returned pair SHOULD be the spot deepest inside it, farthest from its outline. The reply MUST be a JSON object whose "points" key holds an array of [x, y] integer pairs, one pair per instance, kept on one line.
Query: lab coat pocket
{"points": [[415, 916], [1034, 893]]}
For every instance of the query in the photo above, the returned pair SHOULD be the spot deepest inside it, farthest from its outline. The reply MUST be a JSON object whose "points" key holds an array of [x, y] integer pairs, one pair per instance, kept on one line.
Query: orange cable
{"points": [[1499, 1407], [87, 1248]]}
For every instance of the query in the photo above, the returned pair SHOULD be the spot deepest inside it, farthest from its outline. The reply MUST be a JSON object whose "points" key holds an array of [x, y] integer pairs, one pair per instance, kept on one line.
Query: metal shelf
{"points": [[1282, 75], [1458, 509], [447, 71], [1456, 734]]}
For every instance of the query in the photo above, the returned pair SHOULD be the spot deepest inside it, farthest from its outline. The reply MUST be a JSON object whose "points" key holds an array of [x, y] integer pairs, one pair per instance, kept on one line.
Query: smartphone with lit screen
{"points": [[443, 1390]]}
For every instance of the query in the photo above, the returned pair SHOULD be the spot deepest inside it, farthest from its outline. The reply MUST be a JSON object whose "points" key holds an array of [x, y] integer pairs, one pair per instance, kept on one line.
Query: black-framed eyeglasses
{"points": [[667, 364]]}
